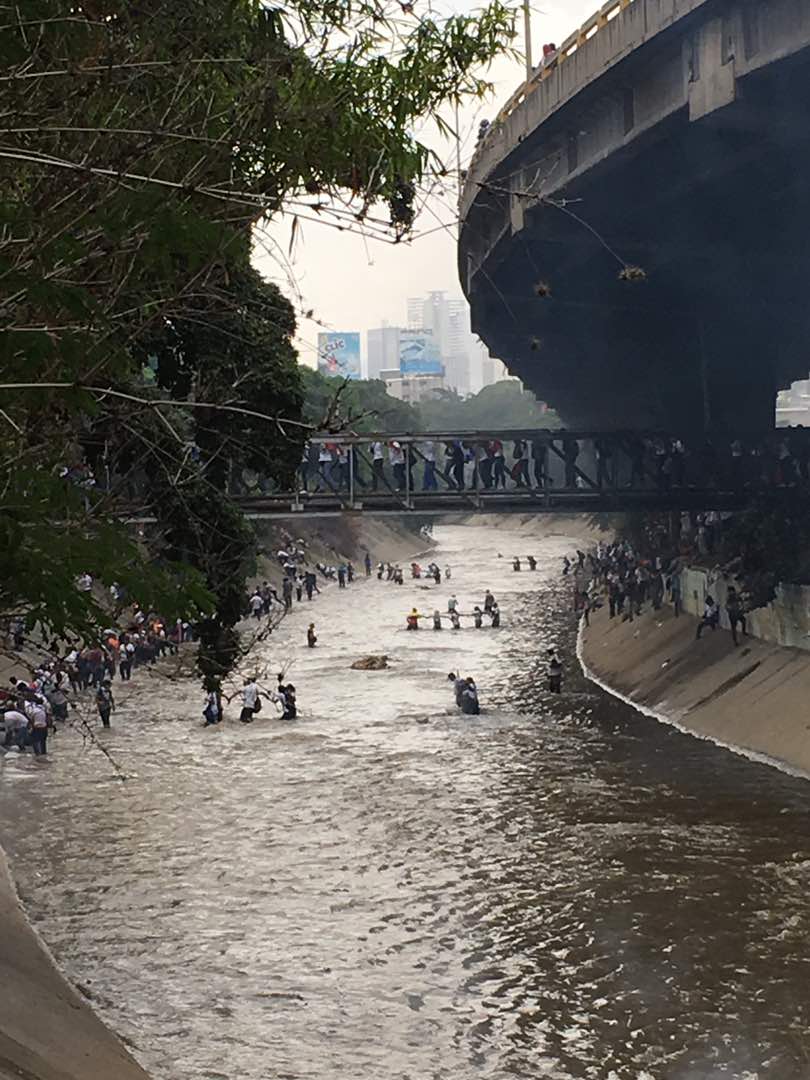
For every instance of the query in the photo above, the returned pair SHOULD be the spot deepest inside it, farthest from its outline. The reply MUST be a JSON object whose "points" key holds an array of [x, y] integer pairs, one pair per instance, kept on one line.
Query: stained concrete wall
{"points": [[752, 699], [785, 621]]}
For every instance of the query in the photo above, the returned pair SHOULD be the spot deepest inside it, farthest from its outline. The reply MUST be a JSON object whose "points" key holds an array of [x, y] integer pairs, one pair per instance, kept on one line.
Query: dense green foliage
{"points": [[364, 405], [141, 143], [501, 406]]}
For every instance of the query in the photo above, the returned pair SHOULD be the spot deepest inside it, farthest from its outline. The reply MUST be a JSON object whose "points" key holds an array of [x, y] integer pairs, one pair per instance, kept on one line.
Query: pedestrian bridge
{"points": [[528, 472]]}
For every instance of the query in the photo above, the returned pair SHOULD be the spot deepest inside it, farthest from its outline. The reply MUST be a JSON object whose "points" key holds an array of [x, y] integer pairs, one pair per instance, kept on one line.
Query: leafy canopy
{"points": [[139, 144]]}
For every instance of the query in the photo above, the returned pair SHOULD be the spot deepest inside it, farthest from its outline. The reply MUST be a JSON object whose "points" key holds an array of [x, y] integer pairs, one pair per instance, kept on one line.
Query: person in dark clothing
{"points": [[454, 452], [105, 702], [570, 453], [312, 639], [555, 672], [485, 465], [469, 698], [604, 460], [520, 470], [498, 464], [287, 593], [734, 610], [540, 459]]}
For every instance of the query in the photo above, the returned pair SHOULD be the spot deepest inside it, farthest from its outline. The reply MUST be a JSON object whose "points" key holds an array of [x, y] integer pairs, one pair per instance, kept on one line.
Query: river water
{"points": [[383, 890]]}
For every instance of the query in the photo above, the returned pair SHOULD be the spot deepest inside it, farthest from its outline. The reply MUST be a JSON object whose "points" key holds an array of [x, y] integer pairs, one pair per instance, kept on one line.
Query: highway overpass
{"points": [[671, 136]]}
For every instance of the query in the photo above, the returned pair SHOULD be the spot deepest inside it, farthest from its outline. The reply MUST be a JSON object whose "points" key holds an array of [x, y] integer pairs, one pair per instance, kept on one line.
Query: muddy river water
{"points": [[384, 890]]}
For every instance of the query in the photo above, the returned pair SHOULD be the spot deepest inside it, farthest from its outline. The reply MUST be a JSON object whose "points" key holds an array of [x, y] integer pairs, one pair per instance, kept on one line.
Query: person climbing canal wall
{"points": [[752, 698]]}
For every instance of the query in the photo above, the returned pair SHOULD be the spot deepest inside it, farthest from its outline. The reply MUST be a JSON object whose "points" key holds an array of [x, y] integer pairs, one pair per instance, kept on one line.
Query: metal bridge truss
{"points": [[558, 472]]}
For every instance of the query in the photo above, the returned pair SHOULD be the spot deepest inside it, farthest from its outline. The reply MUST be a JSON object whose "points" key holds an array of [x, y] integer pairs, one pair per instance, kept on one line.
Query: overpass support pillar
{"points": [[710, 68]]}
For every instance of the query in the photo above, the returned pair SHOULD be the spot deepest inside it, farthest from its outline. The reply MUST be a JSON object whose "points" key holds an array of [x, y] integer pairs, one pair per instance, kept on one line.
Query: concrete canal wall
{"points": [[47, 1030], [752, 699], [785, 621]]}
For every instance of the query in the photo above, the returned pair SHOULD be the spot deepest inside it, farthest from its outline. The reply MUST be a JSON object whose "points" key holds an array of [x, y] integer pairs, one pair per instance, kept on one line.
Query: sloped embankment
{"points": [[752, 699], [47, 1030]]}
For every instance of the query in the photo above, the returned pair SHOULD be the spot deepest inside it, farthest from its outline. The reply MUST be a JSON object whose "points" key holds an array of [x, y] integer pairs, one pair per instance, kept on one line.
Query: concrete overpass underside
{"points": [[690, 159]]}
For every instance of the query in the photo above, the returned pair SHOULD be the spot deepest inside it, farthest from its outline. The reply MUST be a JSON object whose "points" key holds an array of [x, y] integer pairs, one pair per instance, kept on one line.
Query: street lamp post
{"points": [[527, 38]]}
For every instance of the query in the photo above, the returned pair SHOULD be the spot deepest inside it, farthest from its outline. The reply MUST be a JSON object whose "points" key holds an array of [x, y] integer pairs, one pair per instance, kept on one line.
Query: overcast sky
{"points": [[352, 284]]}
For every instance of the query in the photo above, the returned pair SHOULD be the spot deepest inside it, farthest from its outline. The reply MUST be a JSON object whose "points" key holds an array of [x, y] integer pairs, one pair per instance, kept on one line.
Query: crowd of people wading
{"points": [[69, 681], [82, 676]]}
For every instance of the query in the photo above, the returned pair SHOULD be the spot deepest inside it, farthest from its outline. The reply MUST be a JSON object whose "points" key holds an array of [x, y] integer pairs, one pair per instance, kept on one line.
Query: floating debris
{"points": [[371, 663], [632, 273]]}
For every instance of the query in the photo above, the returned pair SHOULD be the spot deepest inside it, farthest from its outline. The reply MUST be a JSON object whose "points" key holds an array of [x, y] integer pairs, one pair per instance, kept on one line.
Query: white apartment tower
{"points": [[448, 320], [382, 350]]}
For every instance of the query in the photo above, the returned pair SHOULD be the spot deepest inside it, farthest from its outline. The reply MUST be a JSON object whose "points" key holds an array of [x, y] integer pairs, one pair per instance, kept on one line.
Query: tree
{"points": [[361, 405], [141, 143], [502, 406]]}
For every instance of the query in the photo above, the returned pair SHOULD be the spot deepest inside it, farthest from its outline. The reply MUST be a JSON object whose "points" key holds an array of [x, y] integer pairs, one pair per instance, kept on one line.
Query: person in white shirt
{"points": [[396, 455], [250, 701], [16, 724], [324, 466], [377, 466], [711, 616], [38, 726], [256, 605]]}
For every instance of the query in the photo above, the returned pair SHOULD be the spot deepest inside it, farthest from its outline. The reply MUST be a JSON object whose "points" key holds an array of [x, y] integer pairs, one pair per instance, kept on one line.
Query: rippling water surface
{"points": [[383, 890]]}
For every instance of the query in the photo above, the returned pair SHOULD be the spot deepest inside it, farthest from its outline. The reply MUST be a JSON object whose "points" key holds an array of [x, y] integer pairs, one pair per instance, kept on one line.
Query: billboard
{"points": [[339, 354], [418, 354]]}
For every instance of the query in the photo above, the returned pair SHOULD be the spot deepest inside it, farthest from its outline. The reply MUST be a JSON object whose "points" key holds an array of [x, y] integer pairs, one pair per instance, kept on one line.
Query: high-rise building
{"points": [[448, 320], [382, 350]]}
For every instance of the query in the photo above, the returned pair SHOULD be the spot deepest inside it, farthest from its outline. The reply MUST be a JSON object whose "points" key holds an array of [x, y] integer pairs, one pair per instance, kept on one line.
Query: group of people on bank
{"points": [[630, 582], [83, 675]]}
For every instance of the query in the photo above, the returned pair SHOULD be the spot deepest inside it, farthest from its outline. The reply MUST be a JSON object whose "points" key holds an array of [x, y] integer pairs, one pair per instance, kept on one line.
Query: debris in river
{"points": [[371, 663]]}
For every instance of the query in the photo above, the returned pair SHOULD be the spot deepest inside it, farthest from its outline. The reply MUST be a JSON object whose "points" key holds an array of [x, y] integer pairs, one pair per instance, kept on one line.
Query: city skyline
{"points": [[348, 281]]}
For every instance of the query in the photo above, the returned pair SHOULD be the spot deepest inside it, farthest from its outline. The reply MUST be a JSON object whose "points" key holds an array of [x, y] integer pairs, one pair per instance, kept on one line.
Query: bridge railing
{"points": [[545, 69], [413, 470]]}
